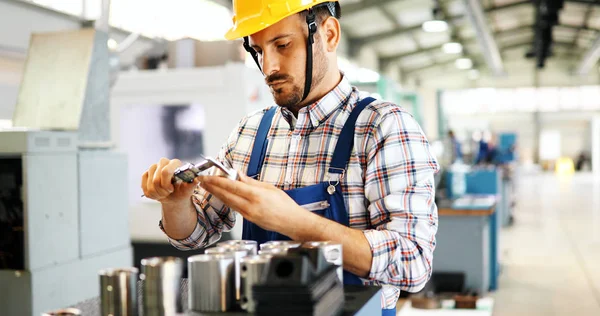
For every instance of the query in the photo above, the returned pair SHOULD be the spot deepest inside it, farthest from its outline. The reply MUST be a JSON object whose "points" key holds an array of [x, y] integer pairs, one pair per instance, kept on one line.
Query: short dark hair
{"points": [[322, 11]]}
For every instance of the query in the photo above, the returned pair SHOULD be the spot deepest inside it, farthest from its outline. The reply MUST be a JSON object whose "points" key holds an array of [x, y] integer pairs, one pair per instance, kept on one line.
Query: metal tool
{"points": [[211, 282], [188, 172], [250, 245], [238, 253], [273, 251], [162, 286], [63, 312], [118, 292], [333, 254], [253, 268]]}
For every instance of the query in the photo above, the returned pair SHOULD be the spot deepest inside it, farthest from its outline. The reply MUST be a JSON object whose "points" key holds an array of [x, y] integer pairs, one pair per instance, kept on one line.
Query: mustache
{"points": [[277, 77]]}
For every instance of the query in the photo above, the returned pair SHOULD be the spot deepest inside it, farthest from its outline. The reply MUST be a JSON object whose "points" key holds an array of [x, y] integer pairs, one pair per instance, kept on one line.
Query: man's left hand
{"points": [[258, 202]]}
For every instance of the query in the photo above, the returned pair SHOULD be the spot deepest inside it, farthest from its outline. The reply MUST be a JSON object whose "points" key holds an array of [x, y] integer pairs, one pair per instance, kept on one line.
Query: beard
{"points": [[289, 94]]}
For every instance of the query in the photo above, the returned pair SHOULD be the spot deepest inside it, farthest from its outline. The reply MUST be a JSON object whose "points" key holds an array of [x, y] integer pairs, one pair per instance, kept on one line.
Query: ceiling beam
{"points": [[502, 50], [361, 41], [519, 29]]}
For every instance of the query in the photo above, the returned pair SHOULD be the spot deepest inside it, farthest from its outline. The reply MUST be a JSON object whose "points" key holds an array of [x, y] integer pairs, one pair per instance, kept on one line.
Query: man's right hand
{"points": [[156, 183]]}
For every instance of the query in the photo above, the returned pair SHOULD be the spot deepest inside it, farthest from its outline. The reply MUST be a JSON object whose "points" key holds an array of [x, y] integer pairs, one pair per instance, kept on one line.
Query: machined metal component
{"points": [[118, 292], [211, 282], [333, 254], [280, 244], [253, 268], [273, 251], [238, 253], [162, 286], [63, 312], [250, 245]]}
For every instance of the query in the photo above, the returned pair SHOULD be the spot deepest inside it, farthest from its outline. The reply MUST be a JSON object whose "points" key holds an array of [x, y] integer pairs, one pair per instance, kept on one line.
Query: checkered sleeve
{"points": [[400, 189], [214, 217]]}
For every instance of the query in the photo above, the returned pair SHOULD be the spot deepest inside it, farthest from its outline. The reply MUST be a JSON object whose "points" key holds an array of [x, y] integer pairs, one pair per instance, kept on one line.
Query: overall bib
{"points": [[325, 199]]}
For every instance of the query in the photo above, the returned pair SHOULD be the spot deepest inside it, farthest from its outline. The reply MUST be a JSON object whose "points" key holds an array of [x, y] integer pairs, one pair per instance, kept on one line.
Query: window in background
{"points": [[569, 99], [590, 97], [548, 99], [550, 145], [525, 99]]}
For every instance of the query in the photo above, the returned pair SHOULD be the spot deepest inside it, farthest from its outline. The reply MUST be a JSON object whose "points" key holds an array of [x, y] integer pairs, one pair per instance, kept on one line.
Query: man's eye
{"points": [[283, 46]]}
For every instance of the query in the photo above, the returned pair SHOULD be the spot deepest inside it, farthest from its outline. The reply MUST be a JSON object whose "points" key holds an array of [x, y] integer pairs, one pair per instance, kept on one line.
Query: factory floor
{"points": [[551, 256]]}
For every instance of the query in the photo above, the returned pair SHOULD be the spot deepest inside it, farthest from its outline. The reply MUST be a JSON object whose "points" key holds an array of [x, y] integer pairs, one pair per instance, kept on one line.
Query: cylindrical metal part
{"points": [[118, 292], [333, 254], [273, 251], [250, 245], [238, 253], [280, 244], [211, 282], [253, 268], [63, 312], [162, 286]]}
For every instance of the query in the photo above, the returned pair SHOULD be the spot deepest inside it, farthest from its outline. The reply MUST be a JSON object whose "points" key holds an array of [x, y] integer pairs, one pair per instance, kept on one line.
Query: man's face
{"points": [[281, 51]]}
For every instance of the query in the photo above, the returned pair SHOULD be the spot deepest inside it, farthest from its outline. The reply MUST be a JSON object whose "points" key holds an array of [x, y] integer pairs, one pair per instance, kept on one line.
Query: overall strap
{"points": [[345, 143], [260, 143]]}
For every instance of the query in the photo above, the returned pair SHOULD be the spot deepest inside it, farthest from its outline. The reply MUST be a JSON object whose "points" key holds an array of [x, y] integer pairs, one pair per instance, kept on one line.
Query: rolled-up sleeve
{"points": [[399, 185]]}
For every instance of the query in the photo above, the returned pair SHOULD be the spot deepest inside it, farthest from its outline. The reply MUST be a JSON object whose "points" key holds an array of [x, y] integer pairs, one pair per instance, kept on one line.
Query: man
{"points": [[355, 171]]}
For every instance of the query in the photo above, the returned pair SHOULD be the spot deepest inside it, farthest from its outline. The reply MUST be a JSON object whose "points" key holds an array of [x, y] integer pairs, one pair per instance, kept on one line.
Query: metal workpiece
{"points": [[333, 254], [118, 292], [280, 244], [273, 251], [250, 245], [253, 268], [161, 278], [211, 282], [238, 253], [63, 312]]}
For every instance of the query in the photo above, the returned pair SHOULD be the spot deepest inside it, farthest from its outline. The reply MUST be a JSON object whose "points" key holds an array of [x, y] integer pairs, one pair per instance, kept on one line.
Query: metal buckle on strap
{"points": [[340, 178]]}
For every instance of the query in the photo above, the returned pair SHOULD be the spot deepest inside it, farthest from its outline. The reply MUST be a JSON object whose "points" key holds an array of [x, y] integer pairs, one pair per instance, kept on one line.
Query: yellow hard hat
{"points": [[252, 16]]}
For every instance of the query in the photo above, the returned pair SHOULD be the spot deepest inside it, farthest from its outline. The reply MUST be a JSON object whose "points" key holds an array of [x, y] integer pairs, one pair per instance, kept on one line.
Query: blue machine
{"points": [[484, 182]]}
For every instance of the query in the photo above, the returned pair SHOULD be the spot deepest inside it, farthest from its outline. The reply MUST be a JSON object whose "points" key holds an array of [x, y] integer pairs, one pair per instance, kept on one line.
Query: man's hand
{"points": [[156, 183], [259, 202]]}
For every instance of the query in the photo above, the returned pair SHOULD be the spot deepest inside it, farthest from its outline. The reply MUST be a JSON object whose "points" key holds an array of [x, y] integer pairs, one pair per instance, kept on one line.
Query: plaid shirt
{"points": [[388, 185]]}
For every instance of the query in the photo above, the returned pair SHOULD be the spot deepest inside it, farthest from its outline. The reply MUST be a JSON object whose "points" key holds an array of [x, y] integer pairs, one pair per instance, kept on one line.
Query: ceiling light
{"points": [[452, 48], [464, 63], [473, 74], [435, 26]]}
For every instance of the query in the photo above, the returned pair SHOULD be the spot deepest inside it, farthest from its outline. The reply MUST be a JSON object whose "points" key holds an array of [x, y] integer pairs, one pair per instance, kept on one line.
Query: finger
{"points": [[253, 182], [145, 183], [167, 173], [230, 199], [154, 190], [235, 187]]}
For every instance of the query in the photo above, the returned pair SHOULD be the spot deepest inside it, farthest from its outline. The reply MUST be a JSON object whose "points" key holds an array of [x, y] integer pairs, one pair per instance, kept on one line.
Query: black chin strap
{"points": [[312, 29]]}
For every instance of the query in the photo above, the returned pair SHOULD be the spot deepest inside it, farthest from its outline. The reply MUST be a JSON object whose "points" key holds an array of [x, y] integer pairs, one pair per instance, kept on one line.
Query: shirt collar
{"points": [[320, 110]]}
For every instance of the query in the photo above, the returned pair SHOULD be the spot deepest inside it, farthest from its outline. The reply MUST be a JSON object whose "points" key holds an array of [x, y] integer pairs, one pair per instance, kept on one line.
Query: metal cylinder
{"points": [[250, 245], [280, 244], [273, 251], [63, 312], [253, 268], [333, 254], [162, 286], [211, 282], [238, 253], [118, 292]]}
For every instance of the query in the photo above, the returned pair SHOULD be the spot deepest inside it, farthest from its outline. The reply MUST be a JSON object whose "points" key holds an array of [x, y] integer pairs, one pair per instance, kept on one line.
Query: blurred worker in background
{"points": [[454, 148], [364, 162]]}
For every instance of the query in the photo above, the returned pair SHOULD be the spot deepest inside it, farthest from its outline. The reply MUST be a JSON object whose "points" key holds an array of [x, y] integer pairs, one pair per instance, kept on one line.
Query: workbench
{"points": [[359, 301], [467, 241]]}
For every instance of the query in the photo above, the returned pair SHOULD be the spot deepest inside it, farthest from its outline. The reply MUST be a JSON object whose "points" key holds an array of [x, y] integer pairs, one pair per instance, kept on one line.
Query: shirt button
{"points": [[297, 137]]}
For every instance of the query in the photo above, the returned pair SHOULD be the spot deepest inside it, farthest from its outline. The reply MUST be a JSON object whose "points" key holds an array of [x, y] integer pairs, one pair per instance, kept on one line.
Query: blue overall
{"points": [[332, 205]]}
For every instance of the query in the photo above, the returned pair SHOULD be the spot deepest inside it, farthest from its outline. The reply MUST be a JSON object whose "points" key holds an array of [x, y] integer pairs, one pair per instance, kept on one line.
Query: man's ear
{"points": [[331, 33]]}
